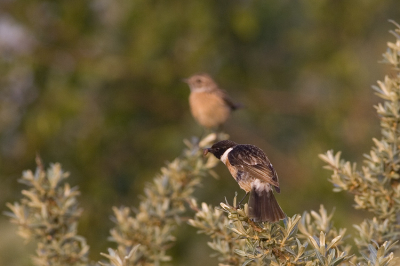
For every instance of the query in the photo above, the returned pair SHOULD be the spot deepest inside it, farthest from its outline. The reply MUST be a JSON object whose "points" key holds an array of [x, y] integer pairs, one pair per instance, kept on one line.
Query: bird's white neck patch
{"points": [[224, 156]]}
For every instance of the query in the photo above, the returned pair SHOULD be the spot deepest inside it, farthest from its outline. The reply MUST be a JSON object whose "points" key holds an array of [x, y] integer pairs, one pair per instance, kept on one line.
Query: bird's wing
{"points": [[227, 99], [252, 160]]}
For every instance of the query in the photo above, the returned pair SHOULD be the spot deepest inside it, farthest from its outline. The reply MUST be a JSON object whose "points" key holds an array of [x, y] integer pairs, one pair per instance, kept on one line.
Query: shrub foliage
{"points": [[49, 212]]}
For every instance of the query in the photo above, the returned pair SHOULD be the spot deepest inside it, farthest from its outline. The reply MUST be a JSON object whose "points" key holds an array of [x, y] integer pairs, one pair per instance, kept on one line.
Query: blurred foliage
{"points": [[273, 244], [153, 224], [376, 187], [96, 85], [49, 214]]}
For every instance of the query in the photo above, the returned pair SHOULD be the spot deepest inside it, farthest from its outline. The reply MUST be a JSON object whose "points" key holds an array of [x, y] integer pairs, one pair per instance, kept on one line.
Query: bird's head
{"points": [[200, 82], [219, 148]]}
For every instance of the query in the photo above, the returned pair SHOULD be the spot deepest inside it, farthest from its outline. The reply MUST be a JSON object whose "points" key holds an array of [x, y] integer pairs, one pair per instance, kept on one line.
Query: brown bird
{"points": [[210, 106], [254, 173]]}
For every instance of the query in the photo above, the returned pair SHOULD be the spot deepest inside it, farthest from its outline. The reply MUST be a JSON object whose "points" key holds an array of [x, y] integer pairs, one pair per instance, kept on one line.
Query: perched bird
{"points": [[210, 106], [254, 173]]}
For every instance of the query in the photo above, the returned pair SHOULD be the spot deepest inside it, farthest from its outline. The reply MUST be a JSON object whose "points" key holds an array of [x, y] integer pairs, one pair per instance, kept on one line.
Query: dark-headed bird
{"points": [[255, 174]]}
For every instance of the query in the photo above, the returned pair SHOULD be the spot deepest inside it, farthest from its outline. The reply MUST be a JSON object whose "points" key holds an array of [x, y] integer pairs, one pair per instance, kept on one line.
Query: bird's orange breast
{"points": [[245, 183], [208, 109]]}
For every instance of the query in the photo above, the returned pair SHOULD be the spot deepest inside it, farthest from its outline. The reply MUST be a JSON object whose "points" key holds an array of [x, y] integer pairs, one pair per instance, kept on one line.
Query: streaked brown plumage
{"points": [[210, 106], [255, 174]]}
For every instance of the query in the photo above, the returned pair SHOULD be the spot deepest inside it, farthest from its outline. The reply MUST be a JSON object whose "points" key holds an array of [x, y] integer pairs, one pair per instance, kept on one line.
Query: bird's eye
{"points": [[198, 80]]}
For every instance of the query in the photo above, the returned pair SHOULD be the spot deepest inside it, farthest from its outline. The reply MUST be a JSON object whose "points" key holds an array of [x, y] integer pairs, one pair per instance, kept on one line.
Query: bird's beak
{"points": [[185, 80], [205, 152]]}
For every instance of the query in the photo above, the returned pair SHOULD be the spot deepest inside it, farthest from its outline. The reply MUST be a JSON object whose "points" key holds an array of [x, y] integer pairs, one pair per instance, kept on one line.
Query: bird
{"points": [[253, 171], [209, 105]]}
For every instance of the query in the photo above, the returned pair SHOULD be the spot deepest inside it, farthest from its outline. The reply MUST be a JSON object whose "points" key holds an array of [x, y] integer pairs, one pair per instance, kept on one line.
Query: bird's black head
{"points": [[219, 148]]}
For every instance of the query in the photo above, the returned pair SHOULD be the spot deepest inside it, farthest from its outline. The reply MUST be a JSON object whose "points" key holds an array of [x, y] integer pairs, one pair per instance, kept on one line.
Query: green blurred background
{"points": [[96, 85]]}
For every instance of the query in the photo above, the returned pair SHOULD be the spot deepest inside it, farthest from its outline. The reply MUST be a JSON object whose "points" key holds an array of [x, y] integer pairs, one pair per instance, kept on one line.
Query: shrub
{"points": [[49, 211]]}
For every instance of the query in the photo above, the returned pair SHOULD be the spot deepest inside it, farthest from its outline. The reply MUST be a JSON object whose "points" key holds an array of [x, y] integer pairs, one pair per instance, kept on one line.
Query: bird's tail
{"points": [[236, 106], [263, 207]]}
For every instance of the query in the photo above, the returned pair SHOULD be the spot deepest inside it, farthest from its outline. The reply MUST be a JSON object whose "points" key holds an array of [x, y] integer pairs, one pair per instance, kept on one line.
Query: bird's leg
{"points": [[218, 131], [201, 137], [242, 200], [205, 132]]}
